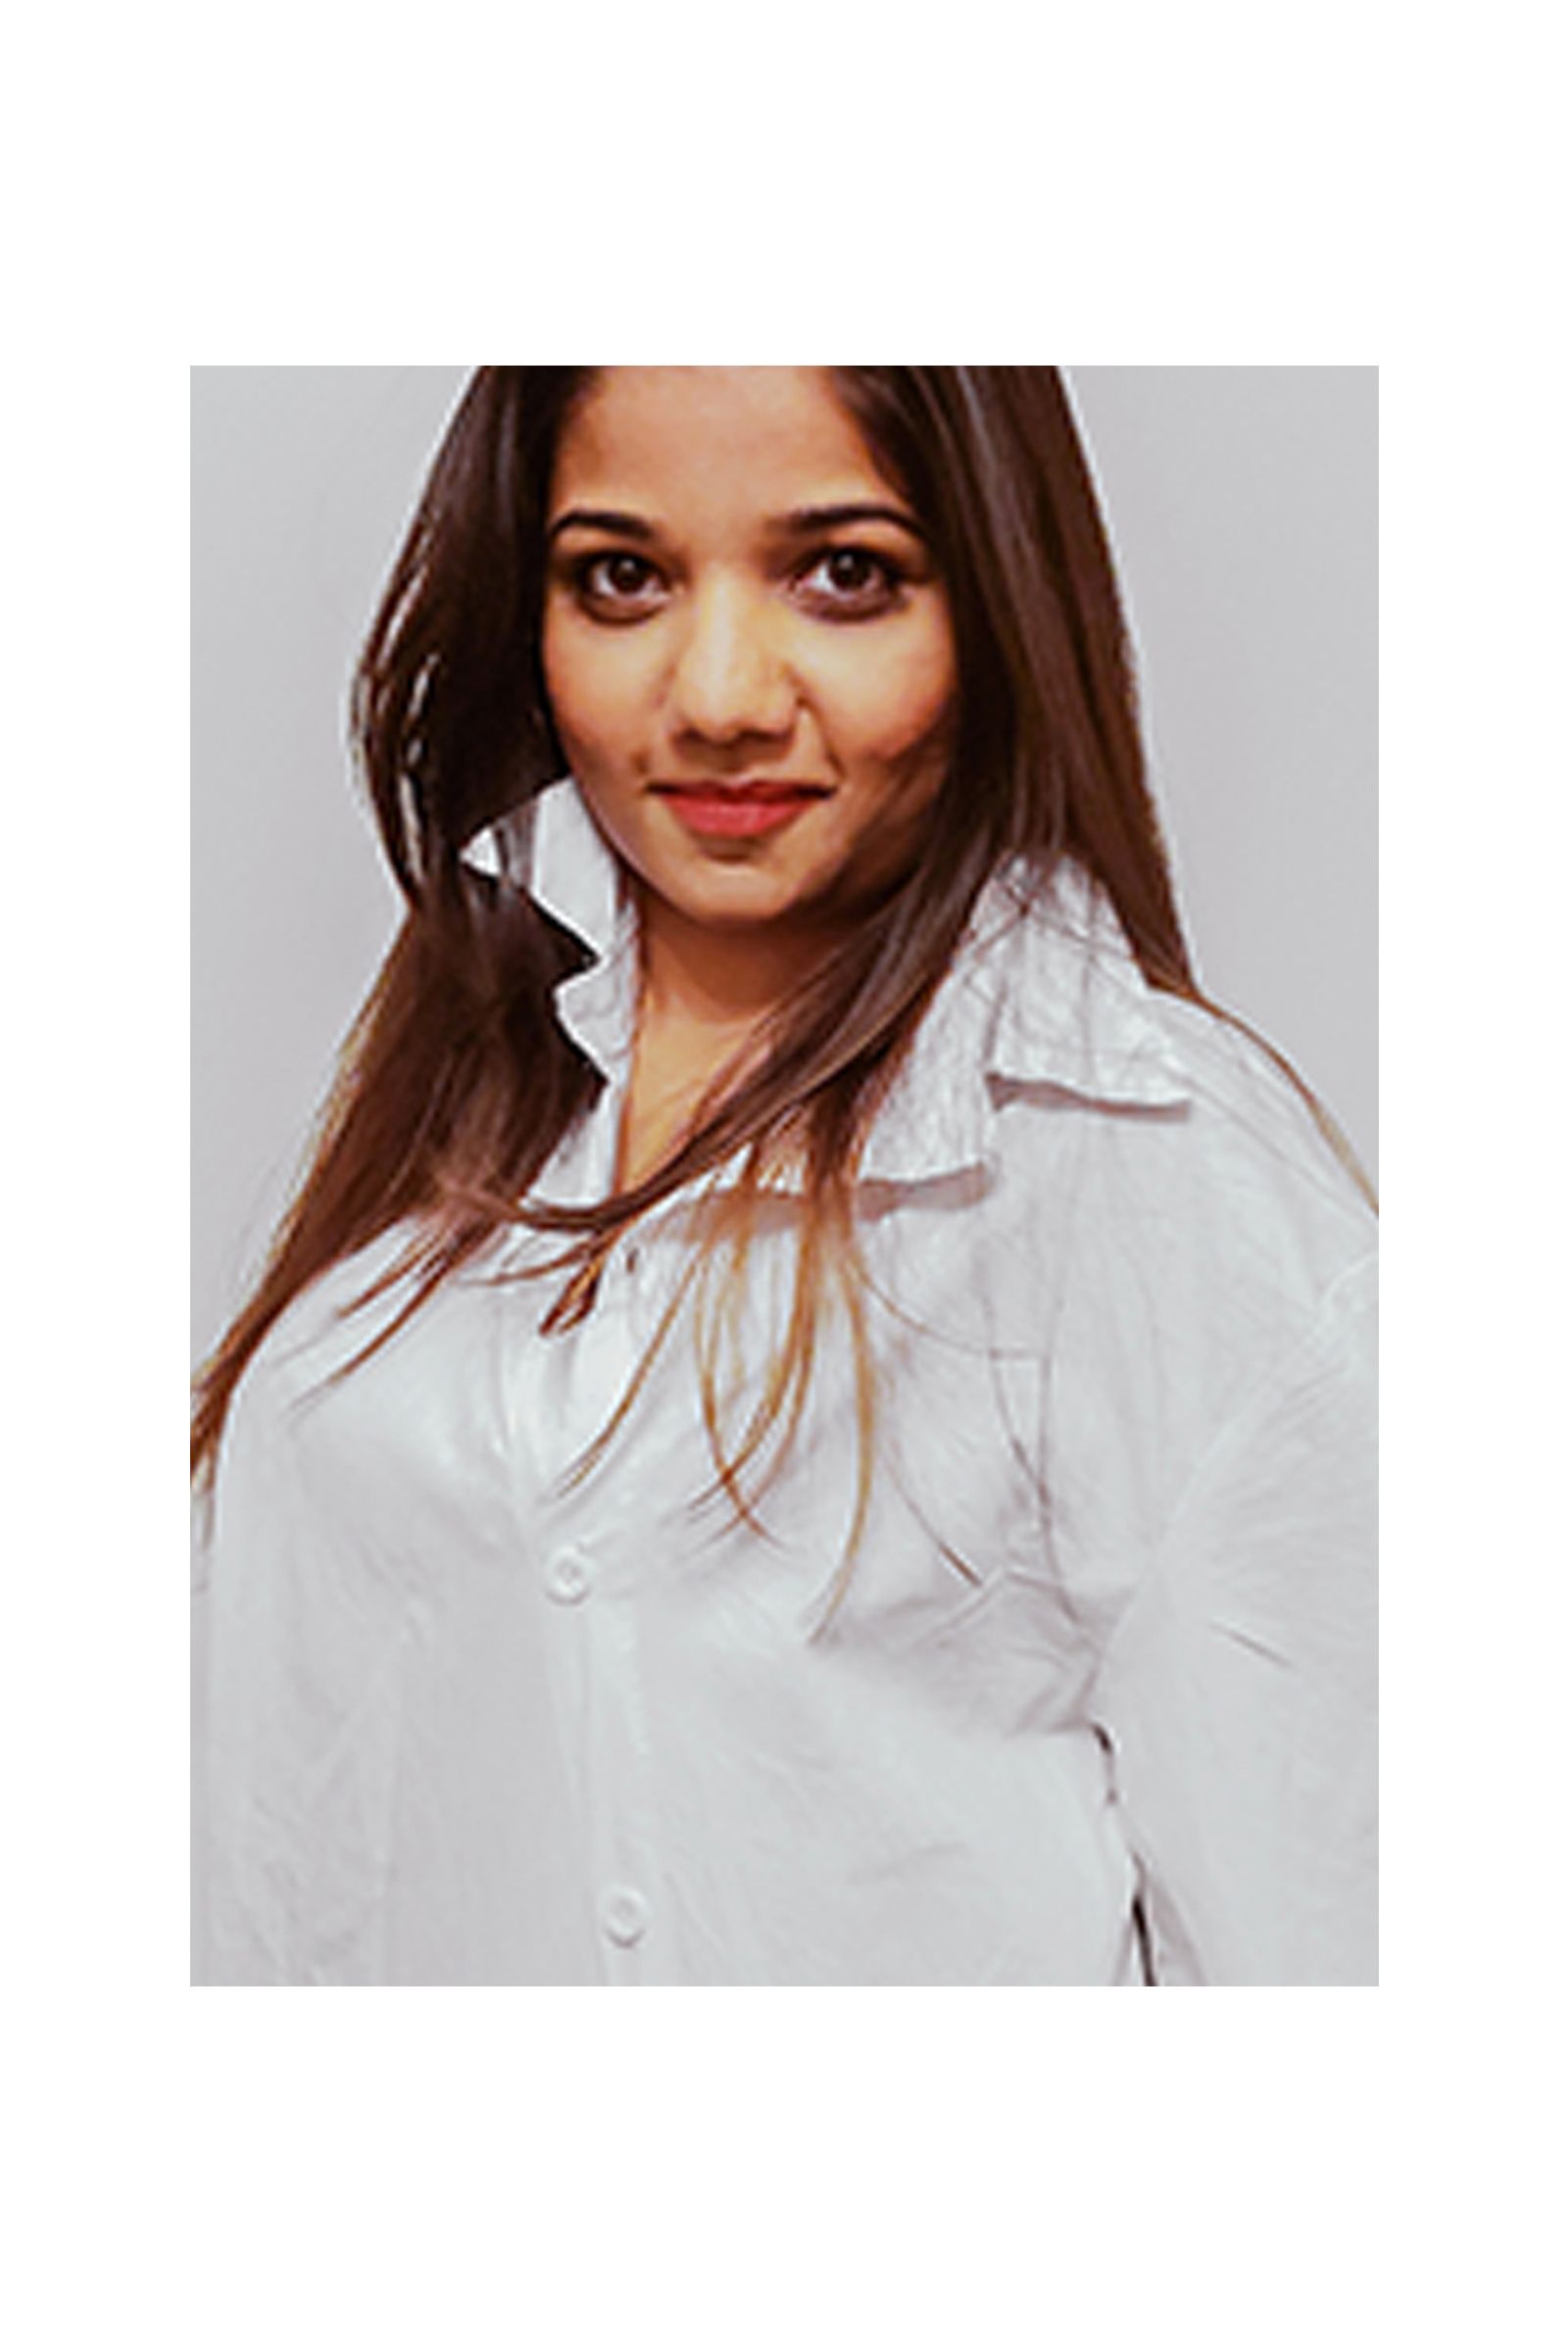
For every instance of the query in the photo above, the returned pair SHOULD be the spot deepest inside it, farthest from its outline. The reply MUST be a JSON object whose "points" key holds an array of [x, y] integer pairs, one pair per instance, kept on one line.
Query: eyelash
{"points": [[880, 594]]}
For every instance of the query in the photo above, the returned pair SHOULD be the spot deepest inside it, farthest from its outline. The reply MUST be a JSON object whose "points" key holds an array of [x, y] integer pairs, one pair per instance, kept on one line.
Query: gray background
{"points": [[1242, 503]]}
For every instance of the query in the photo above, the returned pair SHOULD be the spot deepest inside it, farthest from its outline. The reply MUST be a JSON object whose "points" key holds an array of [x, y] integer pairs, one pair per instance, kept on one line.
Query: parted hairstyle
{"points": [[457, 1082]]}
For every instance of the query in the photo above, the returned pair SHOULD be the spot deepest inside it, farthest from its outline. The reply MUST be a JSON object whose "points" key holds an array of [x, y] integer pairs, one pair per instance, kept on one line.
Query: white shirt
{"points": [[1102, 1675]]}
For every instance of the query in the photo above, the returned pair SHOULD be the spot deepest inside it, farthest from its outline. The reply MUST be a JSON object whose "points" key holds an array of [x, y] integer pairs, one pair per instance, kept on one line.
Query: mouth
{"points": [[738, 810]]}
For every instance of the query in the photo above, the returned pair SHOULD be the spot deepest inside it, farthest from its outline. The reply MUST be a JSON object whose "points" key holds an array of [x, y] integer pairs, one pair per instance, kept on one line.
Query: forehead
{"points": [[714, 439]]}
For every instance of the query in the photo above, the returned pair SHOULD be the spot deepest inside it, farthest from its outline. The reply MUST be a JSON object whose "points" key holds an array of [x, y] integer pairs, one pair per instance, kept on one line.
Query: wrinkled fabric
{"points": [[1096, 1702]]}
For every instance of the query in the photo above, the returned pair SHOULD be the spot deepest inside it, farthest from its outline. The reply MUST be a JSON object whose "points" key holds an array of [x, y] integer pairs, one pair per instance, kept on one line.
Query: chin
{"points": [[739, 909]]}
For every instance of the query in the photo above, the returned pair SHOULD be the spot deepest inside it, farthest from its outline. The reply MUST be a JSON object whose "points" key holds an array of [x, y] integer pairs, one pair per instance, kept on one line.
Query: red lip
{"points": [[738, 810]]}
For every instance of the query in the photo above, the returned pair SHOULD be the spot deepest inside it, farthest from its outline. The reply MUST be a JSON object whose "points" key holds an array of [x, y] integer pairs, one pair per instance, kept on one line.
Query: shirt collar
{"points": [[552, 848], [1044, 991]]}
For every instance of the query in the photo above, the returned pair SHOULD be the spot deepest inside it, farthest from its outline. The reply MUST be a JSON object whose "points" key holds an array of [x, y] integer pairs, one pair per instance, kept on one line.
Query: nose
{"points": [[729, 678]]}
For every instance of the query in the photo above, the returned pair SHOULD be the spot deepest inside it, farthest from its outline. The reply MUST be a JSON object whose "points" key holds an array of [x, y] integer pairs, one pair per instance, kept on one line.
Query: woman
{"points": [[810, 1422]]}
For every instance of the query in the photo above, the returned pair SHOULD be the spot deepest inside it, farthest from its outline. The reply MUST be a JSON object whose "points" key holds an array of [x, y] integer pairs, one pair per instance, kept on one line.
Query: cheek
{"points": [[899, 709], [587, 692]]}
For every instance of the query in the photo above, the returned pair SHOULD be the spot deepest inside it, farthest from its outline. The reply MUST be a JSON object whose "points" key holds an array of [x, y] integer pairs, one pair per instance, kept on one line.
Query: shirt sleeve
{"points": [[1239, 1690]]}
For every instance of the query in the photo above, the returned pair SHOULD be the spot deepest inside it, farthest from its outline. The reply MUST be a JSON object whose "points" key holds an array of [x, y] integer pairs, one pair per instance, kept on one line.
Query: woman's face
{"points": [[747, 646]]}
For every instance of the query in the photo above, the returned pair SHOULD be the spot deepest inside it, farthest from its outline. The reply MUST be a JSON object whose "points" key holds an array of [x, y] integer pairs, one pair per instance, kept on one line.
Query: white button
{"points": [[569, 1575], [623, 1915]]}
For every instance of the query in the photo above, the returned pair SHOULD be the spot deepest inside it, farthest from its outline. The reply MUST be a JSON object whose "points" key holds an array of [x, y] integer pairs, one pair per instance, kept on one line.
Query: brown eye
{"points": [[851, 581], [616, 580], [850, 570]]}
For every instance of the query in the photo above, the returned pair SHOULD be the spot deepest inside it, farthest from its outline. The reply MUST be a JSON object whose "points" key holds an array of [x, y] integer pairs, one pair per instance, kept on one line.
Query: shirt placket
{"points": [[628, 1892], [591, 1558]]}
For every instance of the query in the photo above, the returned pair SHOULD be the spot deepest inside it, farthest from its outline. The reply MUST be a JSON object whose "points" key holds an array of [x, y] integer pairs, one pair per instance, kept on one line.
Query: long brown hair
{"points": [[458, 1083]]}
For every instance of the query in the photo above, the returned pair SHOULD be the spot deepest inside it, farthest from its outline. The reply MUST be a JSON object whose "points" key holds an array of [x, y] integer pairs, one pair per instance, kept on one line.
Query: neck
{"points": [[724, 982]]}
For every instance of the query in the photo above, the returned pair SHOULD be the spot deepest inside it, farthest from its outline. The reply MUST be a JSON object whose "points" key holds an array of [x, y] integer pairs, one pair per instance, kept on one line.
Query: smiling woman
{"points": [[810, 1420], [750, 661]]}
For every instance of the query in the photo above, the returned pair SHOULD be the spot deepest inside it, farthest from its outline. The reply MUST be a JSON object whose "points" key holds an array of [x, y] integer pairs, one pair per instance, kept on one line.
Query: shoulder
{"points": [[1185, 1134], [1253, 1163], [1171, 1226], [1177, 1240]]}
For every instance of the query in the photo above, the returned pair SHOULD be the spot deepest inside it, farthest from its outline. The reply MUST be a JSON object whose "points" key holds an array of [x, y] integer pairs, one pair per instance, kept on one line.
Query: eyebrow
{"points": [[796, 524], [601, 519], [826, 518]]}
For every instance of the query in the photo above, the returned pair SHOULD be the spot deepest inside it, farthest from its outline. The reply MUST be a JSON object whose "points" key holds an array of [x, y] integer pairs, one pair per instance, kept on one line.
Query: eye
{"points": [[617, 581], [852, 581]]}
